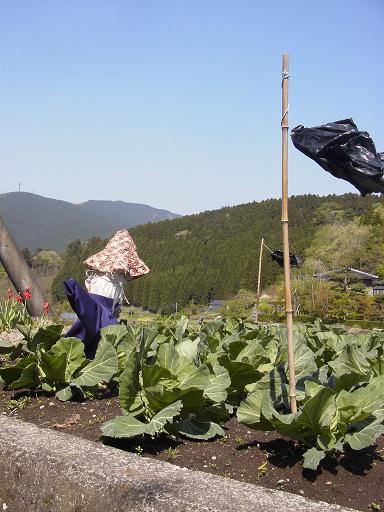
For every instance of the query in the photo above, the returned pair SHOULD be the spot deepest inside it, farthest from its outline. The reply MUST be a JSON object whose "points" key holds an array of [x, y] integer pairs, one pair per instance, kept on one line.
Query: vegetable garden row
{"points": [[187, 380]]}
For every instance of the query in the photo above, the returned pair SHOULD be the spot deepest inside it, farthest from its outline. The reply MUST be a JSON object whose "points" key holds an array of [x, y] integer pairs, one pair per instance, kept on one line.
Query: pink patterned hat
{"points": [[119, 255]]}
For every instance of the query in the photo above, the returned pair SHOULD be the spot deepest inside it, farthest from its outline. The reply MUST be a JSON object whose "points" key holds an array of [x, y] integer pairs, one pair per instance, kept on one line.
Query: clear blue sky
{"points": [[177, 103]]}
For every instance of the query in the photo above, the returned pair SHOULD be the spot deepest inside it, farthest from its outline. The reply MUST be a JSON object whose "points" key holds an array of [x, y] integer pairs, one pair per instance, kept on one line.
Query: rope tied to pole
{"points": [[283, 118], [266, 246], [285, 75]]}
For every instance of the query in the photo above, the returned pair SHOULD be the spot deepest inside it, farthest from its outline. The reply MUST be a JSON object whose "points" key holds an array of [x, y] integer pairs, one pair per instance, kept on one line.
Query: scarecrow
{"points": [[100, 305]]}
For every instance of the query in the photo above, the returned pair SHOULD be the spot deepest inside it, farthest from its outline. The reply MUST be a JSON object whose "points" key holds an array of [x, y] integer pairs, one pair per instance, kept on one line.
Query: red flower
{"points": [[19, 298], [9, 293], [46, 308], [27, 294]]}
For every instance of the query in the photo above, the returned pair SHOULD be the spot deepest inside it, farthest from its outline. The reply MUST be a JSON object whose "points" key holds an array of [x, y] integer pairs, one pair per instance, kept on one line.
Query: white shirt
{"points": [[107, 285]]}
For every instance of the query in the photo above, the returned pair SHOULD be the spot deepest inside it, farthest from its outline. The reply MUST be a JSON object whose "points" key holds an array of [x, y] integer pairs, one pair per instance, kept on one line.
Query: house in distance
{"points": [[372, 283]]}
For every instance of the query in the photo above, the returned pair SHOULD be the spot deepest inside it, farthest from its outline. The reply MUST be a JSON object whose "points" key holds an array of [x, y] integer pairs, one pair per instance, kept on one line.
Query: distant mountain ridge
{"points": [[36, 221]]}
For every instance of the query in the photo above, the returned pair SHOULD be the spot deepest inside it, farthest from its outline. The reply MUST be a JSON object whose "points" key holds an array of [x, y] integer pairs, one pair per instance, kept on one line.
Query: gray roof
{"points": [[363, 275], [358, 273], [215, 304]]}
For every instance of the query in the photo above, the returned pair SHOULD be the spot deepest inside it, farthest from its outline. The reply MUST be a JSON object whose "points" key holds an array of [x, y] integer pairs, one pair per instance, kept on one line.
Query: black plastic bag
{"points": [[341, 149], [278, 256]]}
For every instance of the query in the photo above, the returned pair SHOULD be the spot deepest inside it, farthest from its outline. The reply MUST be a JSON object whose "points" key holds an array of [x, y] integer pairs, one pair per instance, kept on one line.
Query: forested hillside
{"points": [[214, 254]]}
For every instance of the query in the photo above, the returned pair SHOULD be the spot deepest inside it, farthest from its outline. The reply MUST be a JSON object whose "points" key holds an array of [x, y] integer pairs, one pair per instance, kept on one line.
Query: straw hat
{"points": [[119, 255]]}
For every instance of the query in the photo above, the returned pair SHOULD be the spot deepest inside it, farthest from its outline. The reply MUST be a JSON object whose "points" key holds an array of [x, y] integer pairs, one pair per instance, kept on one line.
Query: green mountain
{"points": [[35, 221], [214, 254]]}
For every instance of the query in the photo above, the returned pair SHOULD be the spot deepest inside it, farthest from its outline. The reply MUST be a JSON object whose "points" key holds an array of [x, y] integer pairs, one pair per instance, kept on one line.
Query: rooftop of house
{"points": [[216, 304], [356, 272]]}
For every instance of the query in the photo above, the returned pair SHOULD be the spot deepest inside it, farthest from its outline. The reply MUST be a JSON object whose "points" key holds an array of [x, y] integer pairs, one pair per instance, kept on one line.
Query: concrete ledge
{"points": [[45, 470]]}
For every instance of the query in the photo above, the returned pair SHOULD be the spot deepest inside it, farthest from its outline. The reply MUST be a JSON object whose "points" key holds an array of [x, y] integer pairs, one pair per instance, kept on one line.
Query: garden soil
{"points": [[354, 480]]}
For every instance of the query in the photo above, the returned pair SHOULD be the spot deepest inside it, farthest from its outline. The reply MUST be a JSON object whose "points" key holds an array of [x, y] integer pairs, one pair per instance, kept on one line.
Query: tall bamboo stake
{"points": [[284, 223], [256, 313]]}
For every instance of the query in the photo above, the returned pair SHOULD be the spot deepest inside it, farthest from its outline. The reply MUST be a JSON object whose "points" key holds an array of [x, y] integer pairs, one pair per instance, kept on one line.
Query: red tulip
{"points": [[46, 308], [19, 298], [9, 293], [27, 294]]}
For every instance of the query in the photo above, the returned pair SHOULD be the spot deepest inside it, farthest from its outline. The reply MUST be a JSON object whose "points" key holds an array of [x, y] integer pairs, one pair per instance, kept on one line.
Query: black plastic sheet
{"points": [[278, 256], [344, 151]]}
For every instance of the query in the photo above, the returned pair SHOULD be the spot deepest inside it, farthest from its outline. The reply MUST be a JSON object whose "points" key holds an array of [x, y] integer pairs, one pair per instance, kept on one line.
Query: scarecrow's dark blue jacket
{"points": [[93, 312]]}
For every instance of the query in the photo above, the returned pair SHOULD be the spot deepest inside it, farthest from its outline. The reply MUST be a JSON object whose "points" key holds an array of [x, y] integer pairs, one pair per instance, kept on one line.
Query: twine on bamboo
{"points": [[285, 75]]}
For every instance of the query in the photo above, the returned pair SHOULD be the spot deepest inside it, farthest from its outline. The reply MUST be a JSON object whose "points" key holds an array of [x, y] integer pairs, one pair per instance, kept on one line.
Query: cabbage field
{"points": [[183, 379]]}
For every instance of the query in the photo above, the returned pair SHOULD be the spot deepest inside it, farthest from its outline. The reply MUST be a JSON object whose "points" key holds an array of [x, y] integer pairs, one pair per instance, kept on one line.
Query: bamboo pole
{"points": [[256, 313], [284, 223]]}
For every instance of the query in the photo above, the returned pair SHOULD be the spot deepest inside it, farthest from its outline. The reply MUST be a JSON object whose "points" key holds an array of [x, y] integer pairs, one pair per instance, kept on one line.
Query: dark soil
{"points": [[354, 480]]}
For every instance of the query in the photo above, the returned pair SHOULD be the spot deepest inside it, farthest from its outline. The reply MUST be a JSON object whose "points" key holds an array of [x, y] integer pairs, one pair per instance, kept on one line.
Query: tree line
{"points": [[212, 255]]}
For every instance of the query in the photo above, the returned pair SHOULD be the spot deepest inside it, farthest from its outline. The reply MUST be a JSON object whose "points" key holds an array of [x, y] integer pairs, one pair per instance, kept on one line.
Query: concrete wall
{"points": [[48, 471]]}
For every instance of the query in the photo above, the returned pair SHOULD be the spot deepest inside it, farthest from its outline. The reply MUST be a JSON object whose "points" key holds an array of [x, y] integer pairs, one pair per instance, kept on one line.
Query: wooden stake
{"points": [[256, 312], [19, 273], [284, 222]]}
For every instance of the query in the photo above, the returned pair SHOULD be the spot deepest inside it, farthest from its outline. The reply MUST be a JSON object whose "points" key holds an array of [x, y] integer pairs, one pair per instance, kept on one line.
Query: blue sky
{"points": [[177, 104]]}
